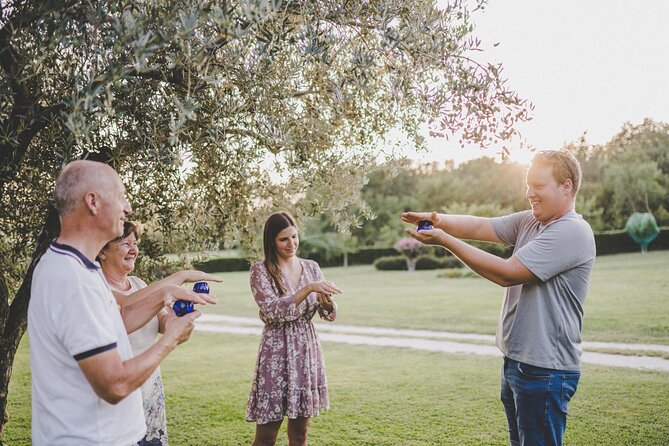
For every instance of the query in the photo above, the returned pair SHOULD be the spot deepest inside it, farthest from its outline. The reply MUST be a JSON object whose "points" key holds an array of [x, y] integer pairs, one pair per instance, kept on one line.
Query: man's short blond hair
{"points": [[565, 166]]}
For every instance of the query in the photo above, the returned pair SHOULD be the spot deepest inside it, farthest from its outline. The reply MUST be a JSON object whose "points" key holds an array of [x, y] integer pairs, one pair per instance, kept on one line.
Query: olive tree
{"points": [[194, 102]]}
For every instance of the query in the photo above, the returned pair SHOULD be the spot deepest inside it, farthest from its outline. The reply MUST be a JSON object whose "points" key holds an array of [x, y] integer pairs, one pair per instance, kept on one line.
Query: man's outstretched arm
{"points": [[504, 272], [468, 227]]}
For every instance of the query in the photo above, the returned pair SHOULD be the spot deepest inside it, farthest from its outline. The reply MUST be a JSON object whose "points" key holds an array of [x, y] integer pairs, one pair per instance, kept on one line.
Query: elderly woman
{"points": [[289, 378], [117, 259]]}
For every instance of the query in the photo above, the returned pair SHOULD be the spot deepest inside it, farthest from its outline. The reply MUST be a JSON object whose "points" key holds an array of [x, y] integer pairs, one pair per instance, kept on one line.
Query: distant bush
{"points": [[494, 248], [428, 262], [614, 242], [451, 262], [456, 273], [223, 265], [425, 262], [432, 262], [410, 247], [363, 256], [367, 256], [391, 263]]}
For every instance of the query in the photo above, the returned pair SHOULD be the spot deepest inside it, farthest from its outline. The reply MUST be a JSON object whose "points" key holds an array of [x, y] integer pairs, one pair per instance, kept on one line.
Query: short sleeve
{"points": [[562, 246], [85, 326], [507, 227]]}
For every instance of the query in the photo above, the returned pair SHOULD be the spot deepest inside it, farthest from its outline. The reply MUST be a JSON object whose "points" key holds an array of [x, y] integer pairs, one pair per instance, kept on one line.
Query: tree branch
{"points": [[9, 61], [12, 154]]}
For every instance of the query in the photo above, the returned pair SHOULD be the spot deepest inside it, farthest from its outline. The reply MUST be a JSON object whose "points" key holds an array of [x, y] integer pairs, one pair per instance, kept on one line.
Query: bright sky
{"points": [[586, 65]]}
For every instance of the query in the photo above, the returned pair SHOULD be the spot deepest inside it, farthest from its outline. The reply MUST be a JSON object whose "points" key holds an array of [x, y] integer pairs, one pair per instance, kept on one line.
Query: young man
{"points": [[539, 331], [84, 378]]}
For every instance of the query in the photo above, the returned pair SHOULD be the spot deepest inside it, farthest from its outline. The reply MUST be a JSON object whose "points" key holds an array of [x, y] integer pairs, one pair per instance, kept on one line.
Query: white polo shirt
{"points": [[72, 316]]}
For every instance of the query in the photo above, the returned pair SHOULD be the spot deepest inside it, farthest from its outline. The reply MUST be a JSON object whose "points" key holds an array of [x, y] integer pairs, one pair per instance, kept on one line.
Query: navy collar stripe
{"points": [[69, 250]]}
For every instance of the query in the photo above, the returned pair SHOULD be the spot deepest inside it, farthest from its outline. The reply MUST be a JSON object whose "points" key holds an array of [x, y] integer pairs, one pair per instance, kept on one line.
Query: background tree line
{"points": [[630, 173]]}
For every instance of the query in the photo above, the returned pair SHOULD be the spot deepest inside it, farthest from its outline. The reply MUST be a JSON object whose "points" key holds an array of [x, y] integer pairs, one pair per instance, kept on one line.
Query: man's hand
{"points": [[428, 236], [415, 217]]}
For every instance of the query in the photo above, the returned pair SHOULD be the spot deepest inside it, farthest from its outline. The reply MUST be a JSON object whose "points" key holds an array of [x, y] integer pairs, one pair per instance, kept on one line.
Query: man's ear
{"points": [[92, 202], [568, 186]]}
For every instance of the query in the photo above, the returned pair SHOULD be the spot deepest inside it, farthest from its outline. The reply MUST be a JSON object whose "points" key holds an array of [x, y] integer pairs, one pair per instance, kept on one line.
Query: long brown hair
{"points": [[275, 223]]}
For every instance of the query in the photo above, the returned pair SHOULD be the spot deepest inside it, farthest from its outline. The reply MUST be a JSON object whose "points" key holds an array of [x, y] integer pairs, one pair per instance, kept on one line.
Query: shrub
{"points": [[456, 273], [451, 262], [367, 256], [223, 265], [363, 256], [614, 242], [432, 262], [410, 247], [391, 263], [428, 262]]}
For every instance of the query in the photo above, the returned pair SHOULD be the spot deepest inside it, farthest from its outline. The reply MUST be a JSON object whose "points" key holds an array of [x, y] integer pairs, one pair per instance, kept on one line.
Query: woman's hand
{"points": [[172, 293], [190, 275], [179, 329], [323, 287], [326, 302]]}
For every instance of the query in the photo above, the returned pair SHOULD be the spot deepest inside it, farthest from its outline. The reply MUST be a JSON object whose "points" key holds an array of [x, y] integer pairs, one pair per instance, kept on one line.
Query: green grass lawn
{"points": [[628, 299], [388, 396]]}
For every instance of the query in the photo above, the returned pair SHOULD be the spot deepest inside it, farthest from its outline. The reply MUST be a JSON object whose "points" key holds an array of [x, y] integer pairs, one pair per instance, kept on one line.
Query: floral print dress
{"points": [[153, 395], [289, 378]]}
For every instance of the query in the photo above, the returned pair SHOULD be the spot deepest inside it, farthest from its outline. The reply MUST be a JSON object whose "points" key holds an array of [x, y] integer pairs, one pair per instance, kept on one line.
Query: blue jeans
{"points": [[535, 400]]}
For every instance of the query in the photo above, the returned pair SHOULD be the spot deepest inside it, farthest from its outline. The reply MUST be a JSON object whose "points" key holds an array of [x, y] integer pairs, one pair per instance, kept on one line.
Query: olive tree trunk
{"points": [[14, 316]]}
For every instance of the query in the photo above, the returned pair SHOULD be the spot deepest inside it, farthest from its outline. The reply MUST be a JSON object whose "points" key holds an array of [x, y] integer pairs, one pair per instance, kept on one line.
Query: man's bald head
{"points": [[77, 179]]}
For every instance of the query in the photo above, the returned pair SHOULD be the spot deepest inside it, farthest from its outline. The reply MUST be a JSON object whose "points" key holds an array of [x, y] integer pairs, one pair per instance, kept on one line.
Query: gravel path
{"points": [[440, 341]]}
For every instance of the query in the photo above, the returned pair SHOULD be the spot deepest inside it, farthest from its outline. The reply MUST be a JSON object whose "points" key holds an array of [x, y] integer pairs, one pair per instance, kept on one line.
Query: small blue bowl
{"points": [[183, 307], [424, 225], [201, 287]]}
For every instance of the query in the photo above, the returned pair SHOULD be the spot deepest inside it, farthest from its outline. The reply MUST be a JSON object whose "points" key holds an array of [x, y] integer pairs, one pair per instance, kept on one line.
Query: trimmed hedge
{"points": [[424, 262], [223, 265], [391, 263], [457, 273], [432, 262], [615, 242], [428, 262], [368, 256], [364, 256]]}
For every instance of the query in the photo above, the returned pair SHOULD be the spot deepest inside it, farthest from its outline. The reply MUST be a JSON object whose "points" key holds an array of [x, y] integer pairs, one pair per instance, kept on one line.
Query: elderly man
{"points": [[539, 330], [84, 379]]}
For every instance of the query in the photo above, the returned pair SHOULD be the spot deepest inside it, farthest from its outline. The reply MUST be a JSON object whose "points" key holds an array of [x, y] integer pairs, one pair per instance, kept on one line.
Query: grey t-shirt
{"points": [[540, 323]]}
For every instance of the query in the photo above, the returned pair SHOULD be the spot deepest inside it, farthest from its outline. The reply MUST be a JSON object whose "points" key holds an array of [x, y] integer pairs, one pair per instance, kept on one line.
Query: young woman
{"points": [[289, 378]]}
